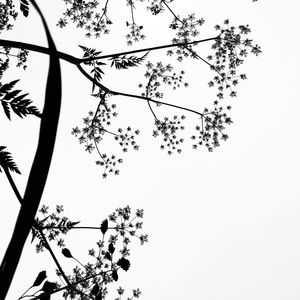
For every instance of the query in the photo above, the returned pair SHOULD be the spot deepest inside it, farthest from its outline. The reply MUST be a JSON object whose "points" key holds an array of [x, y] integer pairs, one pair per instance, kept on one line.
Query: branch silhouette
{"points": [[40, 166]]}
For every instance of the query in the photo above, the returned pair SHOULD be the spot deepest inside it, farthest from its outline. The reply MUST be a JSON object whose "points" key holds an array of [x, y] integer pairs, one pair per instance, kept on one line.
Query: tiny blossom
{"points": [[230, 51], [120, 291], [159, 74], [136, 293], [169, 129], [187, 29], [85, 15]]}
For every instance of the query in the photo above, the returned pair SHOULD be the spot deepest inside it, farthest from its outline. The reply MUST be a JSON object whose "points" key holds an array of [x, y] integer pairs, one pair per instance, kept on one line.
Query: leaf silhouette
{"points": [[99, 296], [13, 101], [111, 248], [66, 252], [6, 161], [5, 106], [127, 62], [104, 226], [107, 256], [124, 263], [7, 87], [49, 287], [40, 278], [24, 7], [44, 296], [95, 289], [114, 275]]}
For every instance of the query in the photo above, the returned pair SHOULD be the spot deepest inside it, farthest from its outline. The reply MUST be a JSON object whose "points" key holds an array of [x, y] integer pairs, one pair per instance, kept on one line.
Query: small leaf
{"points": [[40, 278], [24, 7], [49, 287], [107, 256], [114, 275], [33, 231], [66, 252], [111, 248], [104, 226], [95, 289], [124, 263], [99, 296], [44, 296], [11, 95], [6, 108], [6, 161], [7, 86]]}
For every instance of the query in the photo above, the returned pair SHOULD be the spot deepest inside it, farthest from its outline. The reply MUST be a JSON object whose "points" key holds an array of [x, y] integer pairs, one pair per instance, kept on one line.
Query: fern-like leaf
{"points": [[127, 62], [12, 100], [5, 106], [5, 88], [6, 161]]}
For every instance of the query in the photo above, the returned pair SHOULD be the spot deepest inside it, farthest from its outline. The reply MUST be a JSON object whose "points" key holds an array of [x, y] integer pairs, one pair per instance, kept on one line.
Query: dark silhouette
{"points": [[229, 47]]}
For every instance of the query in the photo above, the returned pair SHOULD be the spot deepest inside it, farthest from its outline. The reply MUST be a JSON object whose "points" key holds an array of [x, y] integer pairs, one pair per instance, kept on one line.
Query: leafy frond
{"points": [[6, 161], [127, 62], [12, 100]]}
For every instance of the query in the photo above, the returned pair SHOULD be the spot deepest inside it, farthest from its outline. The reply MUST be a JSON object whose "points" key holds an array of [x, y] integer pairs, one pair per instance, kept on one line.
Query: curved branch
{"points": [[76, 61], [39, 49], [89, 59], [40, 166], [101, 86], [36, 225]]}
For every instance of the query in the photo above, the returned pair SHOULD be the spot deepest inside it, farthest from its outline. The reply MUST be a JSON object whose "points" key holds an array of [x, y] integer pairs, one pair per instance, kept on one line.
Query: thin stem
{"points": [[171, 11], [35, 225], [75, 227], [134, 96], [72, 285], [89, 59], [76, 61], [147, 92], [158, 102], [193, 52], [132, 16]]}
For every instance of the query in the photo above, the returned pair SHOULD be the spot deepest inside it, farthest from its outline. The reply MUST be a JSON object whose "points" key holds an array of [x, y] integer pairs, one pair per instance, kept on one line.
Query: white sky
{"points": [[222, 225]]}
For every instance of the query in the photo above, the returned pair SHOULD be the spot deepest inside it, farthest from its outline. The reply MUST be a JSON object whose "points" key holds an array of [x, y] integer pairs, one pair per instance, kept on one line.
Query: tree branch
{"points": [[39, 49], [89, 59], [101, 86], [76, 61], [40, 166]]}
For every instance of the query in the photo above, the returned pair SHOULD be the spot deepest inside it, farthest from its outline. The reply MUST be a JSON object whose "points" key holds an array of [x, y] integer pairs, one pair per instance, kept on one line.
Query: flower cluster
{"points": [[156, 6], [168, 129], [126, 138], [230, 50], [52, 225], [187, 30], [158, 74], [107, 261], [135, 33], [210, 131], [6, 53], [89, 280], [93, 132], [135, 293], [7, 15], [83, 13]]}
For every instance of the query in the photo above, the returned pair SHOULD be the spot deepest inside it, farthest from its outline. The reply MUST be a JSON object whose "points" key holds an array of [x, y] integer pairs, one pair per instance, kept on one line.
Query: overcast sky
{"points": [[221, 225]]}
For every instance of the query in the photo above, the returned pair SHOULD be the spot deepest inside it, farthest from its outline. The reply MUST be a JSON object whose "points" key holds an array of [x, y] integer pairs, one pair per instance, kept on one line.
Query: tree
{"points": [[229, 47]]}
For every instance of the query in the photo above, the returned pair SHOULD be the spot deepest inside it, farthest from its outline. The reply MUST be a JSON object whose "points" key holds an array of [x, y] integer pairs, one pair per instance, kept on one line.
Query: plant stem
{"points": [[89, 59], [40, 166]]}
